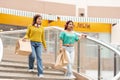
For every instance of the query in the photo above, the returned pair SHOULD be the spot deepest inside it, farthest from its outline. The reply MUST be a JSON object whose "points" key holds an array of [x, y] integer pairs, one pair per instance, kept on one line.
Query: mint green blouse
{"points": [[68, 38]]}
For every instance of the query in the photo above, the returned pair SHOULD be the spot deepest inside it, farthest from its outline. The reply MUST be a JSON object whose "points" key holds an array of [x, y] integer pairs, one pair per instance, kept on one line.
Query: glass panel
{"points": [[52, 44], [9, 43], [117, 61], [89, 60], [107, 63]]}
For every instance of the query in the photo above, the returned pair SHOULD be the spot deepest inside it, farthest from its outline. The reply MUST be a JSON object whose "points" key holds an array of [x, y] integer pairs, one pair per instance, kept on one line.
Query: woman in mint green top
{"points": [[67, 40]]}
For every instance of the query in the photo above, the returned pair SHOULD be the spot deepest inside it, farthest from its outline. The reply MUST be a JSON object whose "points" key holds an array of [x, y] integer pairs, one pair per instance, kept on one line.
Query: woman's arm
{"points": [[61, 43], [27, 34], [61, 37], [82, 36], [43, 40]]}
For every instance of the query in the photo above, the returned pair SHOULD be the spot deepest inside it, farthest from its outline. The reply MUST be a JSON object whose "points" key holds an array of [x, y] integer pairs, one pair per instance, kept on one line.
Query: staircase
{"points": [[14, 70], [15, 67]]}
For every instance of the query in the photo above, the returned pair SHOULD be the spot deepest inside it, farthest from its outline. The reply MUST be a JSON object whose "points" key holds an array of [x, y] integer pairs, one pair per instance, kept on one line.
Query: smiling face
{"points": [[70, 26], [39, 20]]}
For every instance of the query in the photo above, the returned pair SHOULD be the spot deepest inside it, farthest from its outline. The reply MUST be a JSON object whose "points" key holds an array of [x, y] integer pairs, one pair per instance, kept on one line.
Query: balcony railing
{"points": [[93, 57]]}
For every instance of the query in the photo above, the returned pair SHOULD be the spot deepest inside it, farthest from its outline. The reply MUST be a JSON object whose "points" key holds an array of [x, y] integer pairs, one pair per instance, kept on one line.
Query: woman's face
{"points": [[70, 26], [39, 20]]}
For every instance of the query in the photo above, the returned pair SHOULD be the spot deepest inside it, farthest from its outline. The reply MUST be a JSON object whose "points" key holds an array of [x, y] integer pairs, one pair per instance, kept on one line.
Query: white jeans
{"points": [[71, 54]]}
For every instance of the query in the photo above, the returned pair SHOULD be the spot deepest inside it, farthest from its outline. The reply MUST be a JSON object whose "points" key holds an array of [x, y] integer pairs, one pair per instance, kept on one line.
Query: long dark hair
{"points": [[66, 25], [35, 19]]}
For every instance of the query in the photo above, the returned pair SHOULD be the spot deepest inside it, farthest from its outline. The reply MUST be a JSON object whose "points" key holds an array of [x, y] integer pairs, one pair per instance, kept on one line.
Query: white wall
{"points": [[114, 3], [84, 3], [115, 34], [79, 3]]}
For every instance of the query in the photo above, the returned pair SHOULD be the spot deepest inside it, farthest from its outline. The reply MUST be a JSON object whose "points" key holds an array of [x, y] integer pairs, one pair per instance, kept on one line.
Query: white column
{"points": [[115, 38], [81, 4], [77, 9]]}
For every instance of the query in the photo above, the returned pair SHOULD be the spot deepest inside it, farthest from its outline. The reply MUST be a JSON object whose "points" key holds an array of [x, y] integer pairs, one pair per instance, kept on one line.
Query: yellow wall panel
{"points": [[15, 20], [79, 26]]}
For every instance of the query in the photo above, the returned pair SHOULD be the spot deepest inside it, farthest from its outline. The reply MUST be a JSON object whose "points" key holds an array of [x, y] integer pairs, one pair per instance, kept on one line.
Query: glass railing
{"points": [[94, 58]]}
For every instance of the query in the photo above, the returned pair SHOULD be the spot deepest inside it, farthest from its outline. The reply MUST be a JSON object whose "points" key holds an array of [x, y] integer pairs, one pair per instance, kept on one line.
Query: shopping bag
{"points": [[23, 47], [62, 59]]}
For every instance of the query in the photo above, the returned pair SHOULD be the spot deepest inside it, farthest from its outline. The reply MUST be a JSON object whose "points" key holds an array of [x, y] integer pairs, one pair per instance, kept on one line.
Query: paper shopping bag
{"points": [[62, 59], [23, 47]]}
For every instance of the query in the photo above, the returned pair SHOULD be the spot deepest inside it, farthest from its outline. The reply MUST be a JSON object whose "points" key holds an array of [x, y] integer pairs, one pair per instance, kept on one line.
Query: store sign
{"points": [[83, 25]]}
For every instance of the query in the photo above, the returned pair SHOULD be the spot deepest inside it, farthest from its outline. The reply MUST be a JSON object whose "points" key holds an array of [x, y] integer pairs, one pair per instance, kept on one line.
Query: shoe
{"points": [[41, 76], [31, 70], [72, 77]]}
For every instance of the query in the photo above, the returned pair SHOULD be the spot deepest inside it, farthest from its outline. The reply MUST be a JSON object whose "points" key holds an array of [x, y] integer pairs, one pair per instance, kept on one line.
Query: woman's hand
{"points": [[83, 36], [61, 44], [24, 39], [45, 49], [61, 48]]}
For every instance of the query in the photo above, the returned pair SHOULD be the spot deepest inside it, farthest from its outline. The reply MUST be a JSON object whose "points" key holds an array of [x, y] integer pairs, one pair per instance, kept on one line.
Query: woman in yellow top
{"points": [[35, 33]]}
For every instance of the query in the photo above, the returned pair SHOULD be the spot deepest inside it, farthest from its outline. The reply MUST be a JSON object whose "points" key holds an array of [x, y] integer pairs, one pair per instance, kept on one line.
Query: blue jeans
{"points": [[36, 51], [70, 54]]}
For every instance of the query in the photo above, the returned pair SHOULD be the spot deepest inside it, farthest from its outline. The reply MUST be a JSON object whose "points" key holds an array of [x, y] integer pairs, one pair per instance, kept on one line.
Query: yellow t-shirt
{"points": [[36, 34]]}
